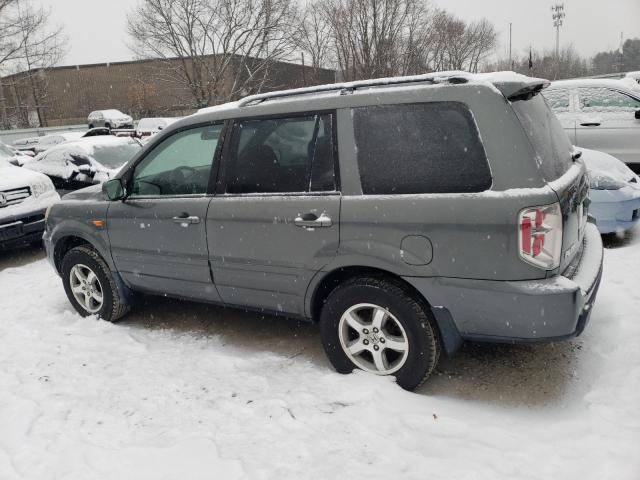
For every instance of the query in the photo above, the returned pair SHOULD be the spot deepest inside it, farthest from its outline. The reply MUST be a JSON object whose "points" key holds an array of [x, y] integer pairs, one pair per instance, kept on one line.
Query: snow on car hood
{"points": [[93, 192], [118, 150], [604, 166], [16, 177]]}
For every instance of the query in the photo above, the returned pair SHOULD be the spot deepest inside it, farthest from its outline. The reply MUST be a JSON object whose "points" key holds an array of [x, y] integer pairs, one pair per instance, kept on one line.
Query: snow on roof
{"points": [[512, 79], [591, 82], [218, 108], [112, 112]]}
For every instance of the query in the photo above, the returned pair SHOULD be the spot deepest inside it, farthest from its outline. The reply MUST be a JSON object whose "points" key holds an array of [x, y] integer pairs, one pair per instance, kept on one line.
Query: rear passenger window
{"points": [[558, 99], [281, 155], [419, 148]]}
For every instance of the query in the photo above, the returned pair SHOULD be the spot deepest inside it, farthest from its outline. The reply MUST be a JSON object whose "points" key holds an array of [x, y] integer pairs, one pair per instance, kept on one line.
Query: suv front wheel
{"points": [[379, 326], [90, 286]]}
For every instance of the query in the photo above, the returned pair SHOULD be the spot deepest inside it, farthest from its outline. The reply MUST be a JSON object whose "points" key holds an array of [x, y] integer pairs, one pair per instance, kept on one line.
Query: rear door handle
{"points": [[311, 220], [591, 124], [186, 218]]}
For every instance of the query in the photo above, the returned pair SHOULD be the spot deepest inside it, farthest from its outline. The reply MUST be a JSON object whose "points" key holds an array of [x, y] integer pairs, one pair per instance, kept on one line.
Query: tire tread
{"points": [[119, 307]]}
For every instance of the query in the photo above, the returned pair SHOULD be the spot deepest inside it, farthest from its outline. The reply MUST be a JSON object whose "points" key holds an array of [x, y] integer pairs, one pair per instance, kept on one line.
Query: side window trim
{"points": [[230, 128], [130, 172]]}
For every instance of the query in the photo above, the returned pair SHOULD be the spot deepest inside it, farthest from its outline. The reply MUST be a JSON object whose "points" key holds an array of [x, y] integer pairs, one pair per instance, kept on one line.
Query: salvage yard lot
{"points": [[180, 390]]}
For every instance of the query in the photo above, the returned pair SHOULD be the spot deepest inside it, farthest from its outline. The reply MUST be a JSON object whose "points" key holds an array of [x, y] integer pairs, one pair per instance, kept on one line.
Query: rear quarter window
{"points": [[548, 138], [419, 148]]}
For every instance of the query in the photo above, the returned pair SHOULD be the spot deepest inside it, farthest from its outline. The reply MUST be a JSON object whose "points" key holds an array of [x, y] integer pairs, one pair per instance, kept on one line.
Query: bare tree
{"points": [[456, 45], [313, 37], [545, 64], [28, 48], [42, 47], [374, 38], [9, 39], [216, 49]]}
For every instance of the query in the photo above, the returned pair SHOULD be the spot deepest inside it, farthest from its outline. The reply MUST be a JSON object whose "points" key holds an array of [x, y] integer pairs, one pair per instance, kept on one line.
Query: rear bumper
{"points": [[522, 311]]}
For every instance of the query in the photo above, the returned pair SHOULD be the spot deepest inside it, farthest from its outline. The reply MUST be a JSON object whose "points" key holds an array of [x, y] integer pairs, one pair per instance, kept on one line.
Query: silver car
{"points": [[393, 212], [599, 114], [109, 119]]}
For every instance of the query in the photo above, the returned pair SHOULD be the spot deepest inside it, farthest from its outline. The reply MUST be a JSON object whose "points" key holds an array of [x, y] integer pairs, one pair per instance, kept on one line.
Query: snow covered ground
{"points": [[186, 391]]}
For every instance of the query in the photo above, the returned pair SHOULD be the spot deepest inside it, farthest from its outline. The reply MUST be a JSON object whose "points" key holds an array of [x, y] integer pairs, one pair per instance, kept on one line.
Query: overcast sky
{"points": [[96, 28]]}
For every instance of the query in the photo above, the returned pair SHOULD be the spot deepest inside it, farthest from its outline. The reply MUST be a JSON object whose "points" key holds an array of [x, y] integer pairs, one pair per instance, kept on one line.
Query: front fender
{"points": [[75, 219]]}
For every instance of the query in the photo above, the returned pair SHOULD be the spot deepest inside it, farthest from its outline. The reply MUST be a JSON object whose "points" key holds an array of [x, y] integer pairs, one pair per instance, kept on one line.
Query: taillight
{"points": [[540, 236]]}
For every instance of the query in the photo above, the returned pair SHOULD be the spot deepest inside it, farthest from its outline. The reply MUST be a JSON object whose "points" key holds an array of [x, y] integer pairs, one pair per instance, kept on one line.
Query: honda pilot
{"points": [[404, 215]]}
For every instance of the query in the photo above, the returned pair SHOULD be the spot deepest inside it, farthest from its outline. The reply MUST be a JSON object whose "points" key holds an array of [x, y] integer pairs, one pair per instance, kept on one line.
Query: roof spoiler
{"points": [[520, 90]]}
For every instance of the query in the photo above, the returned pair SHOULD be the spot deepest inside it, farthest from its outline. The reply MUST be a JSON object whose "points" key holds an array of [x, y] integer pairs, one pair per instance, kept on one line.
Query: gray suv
{"points": [[404, 215]]}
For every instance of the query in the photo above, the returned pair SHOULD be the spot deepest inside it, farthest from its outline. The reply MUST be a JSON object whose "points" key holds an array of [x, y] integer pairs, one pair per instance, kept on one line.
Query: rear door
{"points": [[567, 177], [561, 101], [158, 234], [275, 219], [606, 122]]}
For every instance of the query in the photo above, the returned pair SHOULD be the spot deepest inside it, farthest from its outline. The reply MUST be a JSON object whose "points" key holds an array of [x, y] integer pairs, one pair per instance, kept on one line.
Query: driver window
{"points": [[180, 165]]}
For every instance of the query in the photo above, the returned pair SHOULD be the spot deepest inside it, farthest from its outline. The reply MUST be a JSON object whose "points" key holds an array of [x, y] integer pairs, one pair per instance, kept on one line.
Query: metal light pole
{"points": [[557, 13]]}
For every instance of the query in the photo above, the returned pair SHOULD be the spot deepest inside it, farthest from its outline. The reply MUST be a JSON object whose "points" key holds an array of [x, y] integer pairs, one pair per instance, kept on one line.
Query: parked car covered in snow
{"points": [[614, 192], [391, 211], [44, 142], [24, 197], [48, 141], [599, 114], [13, 155], [86, 161], [150, 126], [109, 119], [633, 76]]}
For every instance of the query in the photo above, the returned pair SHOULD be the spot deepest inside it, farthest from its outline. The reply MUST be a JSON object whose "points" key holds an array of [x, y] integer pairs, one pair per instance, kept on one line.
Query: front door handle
{"points": [[591, 124], [186, 218], [311, 220]]}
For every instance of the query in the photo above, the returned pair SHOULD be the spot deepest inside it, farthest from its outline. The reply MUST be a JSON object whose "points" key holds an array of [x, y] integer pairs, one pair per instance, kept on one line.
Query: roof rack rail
{"points": [[349, 87]]}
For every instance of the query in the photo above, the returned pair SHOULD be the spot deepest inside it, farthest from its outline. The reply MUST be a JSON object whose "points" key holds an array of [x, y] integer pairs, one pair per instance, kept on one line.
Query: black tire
{"points": [[107, 125], [114, 306], [409, 311]]}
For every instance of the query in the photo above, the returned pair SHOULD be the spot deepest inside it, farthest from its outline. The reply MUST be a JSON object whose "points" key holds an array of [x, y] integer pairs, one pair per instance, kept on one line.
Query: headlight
{"points": [[605, 182], [38, 188]]}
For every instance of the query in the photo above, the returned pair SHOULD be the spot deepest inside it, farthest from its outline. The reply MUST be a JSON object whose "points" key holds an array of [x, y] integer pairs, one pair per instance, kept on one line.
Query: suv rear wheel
{"points": [[89, 285], [377, 325]]}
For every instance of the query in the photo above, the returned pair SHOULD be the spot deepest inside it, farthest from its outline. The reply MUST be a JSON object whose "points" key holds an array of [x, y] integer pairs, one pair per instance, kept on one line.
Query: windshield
{"points": [[547, 136], [114, 156]]}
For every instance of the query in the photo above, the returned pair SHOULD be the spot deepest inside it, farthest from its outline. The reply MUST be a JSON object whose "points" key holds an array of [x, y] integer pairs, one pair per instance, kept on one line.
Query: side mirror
{"points": [[637, 114], [114, 189]]}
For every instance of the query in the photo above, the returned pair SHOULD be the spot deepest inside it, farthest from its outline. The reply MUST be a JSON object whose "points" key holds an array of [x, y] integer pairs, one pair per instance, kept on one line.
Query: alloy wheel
{"points": [[373, 339], [86, 288]]}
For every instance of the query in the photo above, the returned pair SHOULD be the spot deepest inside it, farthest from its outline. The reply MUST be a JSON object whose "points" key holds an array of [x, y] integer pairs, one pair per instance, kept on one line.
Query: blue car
{"points": [[614, 192]]}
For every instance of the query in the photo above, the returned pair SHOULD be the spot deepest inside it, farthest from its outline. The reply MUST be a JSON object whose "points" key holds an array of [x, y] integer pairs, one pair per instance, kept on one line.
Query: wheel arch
{"points": [[68, 242], [447, 331]]}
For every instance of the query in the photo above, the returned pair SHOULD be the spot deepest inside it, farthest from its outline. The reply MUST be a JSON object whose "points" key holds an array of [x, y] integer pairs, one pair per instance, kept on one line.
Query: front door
{"points": [[606, 122], [158, 234], [275, 220]]}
